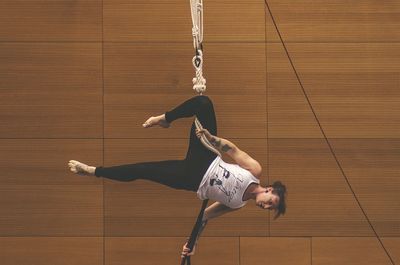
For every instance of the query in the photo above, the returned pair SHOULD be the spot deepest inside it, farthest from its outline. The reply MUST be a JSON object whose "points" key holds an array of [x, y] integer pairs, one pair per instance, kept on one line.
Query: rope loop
{"points": [[204, 139], [199, 82]]}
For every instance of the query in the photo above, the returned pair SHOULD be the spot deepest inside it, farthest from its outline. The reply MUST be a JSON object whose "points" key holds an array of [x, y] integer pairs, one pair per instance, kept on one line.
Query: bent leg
{"points": [[171, 173], [198, 156], [203, 109], [199, 106]]}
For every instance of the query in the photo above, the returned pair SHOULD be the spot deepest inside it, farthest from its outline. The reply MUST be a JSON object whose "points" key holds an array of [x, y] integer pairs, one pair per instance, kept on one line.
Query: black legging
{"points": [[179, 174]]}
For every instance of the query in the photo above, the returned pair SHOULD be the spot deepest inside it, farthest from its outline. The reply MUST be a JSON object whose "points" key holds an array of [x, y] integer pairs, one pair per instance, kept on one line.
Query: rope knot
{"points": [[195, 31]]}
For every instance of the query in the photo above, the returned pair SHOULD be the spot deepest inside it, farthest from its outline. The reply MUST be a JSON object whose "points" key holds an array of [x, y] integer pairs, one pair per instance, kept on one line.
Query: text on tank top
{"points": [[225, 183]]}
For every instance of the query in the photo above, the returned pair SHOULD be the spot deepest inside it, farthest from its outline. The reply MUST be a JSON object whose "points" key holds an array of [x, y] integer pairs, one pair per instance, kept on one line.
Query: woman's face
{"points": [[267, 200]]}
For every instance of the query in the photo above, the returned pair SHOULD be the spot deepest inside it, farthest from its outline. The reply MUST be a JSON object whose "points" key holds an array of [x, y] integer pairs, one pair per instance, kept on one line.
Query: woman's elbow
{"points": [[256, 170]]}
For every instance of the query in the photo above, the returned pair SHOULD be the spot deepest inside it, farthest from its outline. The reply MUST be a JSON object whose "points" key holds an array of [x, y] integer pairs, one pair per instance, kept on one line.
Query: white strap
{"points": [[204, 139]]}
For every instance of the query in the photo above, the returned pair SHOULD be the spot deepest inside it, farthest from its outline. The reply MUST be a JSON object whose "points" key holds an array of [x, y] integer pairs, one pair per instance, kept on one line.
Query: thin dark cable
{"points": [[103, 180], [323, 132]]}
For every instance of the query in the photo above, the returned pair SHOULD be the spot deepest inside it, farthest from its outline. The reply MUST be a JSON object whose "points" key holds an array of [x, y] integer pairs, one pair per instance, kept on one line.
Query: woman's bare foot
{"points": [[158, 120], [80, 168]]}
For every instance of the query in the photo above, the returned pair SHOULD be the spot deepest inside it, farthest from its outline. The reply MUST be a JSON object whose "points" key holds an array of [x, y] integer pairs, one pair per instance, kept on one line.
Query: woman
{"points": [[202, 171]]}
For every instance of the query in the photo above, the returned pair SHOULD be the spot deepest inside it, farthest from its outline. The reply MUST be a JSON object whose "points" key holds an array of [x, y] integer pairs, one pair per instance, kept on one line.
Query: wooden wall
{"points": [[78, 78]]}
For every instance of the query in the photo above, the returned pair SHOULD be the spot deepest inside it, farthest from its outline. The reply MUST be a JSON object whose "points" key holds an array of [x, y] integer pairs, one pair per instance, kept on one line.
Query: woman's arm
{"points": [[240, 157], [214, 210]]}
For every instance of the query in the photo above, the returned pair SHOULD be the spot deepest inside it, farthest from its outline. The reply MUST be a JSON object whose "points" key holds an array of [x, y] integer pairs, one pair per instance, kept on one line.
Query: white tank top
{"points": [[225, 183]]}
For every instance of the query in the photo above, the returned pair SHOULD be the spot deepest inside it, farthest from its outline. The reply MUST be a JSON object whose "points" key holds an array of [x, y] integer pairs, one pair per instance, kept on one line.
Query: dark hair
{"points": [[280, 190]]}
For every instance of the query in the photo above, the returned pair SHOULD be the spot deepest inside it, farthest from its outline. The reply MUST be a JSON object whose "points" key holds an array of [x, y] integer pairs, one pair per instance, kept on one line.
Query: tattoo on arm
{"points": [[226, 148], [215, 142]]}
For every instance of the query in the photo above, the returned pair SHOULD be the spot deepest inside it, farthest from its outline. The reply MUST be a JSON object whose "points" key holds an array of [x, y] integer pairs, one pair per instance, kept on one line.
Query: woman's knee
{"points": [[204, 101]]}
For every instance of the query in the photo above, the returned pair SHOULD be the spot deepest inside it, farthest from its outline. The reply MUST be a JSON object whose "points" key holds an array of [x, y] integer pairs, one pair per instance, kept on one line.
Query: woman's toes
{"points": [[148, 123], [156, 121], [78, 167]]}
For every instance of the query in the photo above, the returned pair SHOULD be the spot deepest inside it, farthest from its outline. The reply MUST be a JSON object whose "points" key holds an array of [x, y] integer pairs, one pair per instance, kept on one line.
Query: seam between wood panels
{"points": [[267, 106]]}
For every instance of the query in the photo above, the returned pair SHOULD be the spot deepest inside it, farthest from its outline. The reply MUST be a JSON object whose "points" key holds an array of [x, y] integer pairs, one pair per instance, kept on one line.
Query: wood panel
{"points": [[352, 87], [392, 244], [155, 68], [44, 161], [271, 34], [289, 115], [51, 210], [348, 251], [227, 21], [257, 250], [319, 201], [337, 21], [372, 167], [143, 208], [139, 85], [46, 20], [140, 250], [51, 251], [50, 90]]}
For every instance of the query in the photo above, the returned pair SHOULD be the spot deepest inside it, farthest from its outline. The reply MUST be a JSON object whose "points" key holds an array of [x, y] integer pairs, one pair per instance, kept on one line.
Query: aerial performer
{"points": [[202, 171]]}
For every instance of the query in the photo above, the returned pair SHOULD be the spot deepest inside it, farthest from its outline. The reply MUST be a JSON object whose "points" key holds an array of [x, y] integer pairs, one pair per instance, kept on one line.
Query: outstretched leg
{"points": [[172, 173], [180, 174]]}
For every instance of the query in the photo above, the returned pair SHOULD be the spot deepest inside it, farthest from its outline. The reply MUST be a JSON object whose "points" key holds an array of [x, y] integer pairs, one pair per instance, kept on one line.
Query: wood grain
{"points": [[50, 90], [47, 20], [289, 115], [256, 250], [51, 210], [51, 250], [171, 22], [319, 201], [237, 68], [392, 244], [138, 85], [140, 250], [352, 88], [372, 167], [353, 251], [335, 21], [45, 161]]}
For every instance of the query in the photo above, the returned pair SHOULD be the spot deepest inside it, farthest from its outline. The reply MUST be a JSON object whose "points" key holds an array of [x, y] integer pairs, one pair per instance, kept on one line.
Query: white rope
{"points": [[196, 6], [204, 139], [199, 82]]}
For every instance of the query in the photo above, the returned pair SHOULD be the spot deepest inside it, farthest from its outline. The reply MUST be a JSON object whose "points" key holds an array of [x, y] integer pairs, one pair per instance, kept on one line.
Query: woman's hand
{"points": [[205, 132], [185, 251]]}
